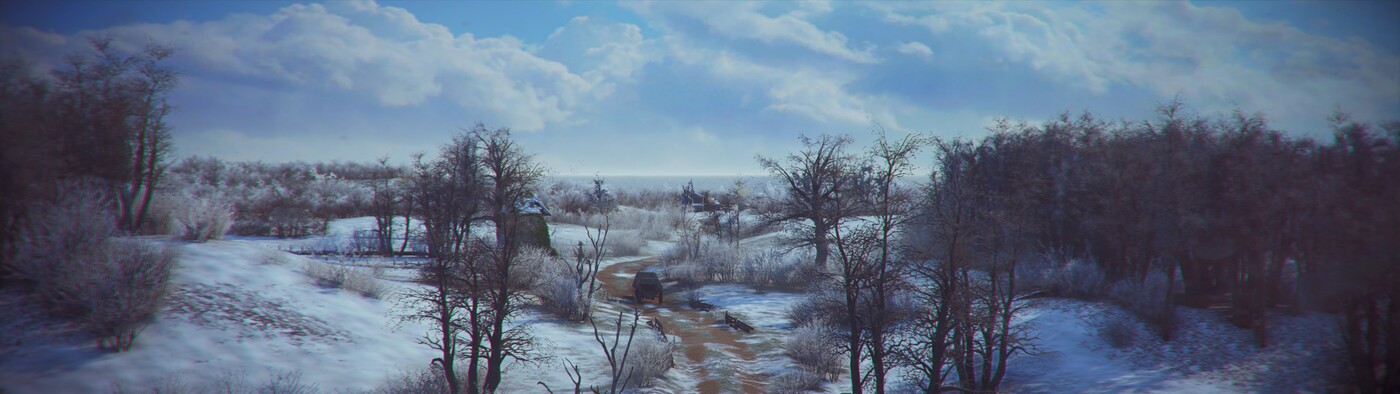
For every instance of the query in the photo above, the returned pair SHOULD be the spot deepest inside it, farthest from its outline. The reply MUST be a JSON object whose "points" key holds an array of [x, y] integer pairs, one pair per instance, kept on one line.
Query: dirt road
{"points": [[711, 347]]}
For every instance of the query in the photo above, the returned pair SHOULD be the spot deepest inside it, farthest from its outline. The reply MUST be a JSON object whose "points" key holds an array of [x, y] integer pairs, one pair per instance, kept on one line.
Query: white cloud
{"points": [[602, 53], [815, 94], [1215, 57], [387, 54], [915, 49], [747, 21]]}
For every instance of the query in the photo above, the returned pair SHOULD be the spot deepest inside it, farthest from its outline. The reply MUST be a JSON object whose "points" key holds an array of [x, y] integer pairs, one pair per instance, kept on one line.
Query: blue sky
{"points": [[701, 87]]}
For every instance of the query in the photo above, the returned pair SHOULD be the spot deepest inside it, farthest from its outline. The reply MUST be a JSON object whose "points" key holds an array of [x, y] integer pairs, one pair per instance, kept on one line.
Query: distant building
{"points": [[531, 206], [697, 202]]}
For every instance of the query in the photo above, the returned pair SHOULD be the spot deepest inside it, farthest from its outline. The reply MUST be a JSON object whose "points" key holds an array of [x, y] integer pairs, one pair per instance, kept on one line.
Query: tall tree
{"points": [[510, 176], [815, 178], [891, 206], [447, 192]]}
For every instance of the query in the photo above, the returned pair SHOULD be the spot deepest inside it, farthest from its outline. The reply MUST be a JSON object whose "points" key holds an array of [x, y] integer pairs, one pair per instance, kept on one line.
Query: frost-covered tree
{"points": [[815, 178]]}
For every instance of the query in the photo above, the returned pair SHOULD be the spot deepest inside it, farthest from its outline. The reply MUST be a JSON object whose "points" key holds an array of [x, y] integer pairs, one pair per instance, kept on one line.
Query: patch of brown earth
{"points": [[696, 330]]}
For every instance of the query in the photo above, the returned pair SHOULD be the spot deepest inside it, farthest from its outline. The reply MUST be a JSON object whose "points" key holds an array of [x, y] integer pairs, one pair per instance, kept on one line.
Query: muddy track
{"points": [[709, 345]]}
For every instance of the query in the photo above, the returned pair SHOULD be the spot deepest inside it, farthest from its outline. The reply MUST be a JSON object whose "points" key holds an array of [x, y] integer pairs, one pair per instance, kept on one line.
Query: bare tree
{"points": [[891, 205], [384, 202], [815, 177], [945, 228], [601, 202], [734, 202], [110, 120], [968, 223], [476, 291], [620, 373], [441, 306], [856, 252], [510, 175]]}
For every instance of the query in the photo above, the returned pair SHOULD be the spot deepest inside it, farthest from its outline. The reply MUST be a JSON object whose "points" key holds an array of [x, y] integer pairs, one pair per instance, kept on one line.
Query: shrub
{"points": [[425, 381], [654, 225], [650, 358], [1075, 279], [624, 244], [202, 219], [60, 236], [131, 284], [822, 306], [560, 295], [1079, 278], [345, 277], [716, 262], [795, 381], [812, 346], [69, 253], [724, 262], [554, 282], [776, 268]]}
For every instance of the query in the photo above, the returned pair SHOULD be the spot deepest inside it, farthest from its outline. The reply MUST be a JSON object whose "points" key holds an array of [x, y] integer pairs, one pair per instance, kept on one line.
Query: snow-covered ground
{"points": [[1207, 355], [236, 306], [243, 306]]}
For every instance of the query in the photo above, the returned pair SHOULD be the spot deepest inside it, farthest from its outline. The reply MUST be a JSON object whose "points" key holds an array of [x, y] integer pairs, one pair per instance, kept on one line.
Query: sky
{"points": [[700, 88]]}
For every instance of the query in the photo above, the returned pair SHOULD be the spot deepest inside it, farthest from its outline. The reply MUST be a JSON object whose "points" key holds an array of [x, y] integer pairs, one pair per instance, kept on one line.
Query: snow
{"points": [[1208, 355], [233, 311], [242, 305]]}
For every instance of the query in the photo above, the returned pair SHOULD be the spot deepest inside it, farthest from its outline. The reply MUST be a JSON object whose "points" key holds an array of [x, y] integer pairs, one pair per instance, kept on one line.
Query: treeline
{"points": [[1220, 210], [1176, 210], [290, 199]]}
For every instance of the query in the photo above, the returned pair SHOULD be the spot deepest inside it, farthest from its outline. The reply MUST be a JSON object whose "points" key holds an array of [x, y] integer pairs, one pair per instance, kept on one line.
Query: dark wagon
{"points": [[646, 285]]}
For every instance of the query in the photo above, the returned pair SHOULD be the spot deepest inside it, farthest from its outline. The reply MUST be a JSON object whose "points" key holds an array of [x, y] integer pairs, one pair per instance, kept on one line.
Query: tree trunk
{"points": [[853, 341]]}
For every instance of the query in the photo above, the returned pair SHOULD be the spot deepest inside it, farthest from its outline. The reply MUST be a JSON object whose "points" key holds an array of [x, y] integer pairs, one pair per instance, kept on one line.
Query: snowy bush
{"points": [[812, 346], [822, 306], [281, 199], [653, 225], [69, 253], [795, 381], [58, 240], [649, 358], [776, 268], [560, 295], [128, 284], [1082, 279], [624, 244], [555, 283], [715, 262], [202, 219], [424, 381], [345, 277], [659, 224], [727, 263]]}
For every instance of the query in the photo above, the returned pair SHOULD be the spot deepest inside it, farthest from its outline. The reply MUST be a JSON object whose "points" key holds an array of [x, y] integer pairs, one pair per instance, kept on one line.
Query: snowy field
{"points": [[242, 307]]}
